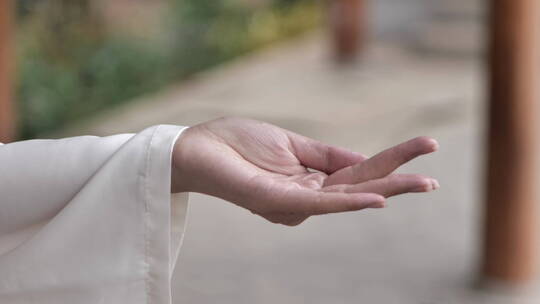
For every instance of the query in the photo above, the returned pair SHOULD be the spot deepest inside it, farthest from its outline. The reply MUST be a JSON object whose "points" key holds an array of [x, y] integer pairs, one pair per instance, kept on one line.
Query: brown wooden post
{"points": [[348, 21], [7, 120], [509, 237]]}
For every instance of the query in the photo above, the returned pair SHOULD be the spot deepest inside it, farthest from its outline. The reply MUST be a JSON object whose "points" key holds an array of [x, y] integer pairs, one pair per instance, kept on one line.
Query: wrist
{"points": [[180, 167]]}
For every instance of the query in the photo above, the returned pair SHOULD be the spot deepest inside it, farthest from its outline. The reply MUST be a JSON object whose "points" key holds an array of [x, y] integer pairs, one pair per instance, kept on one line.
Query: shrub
{"points": [[71, 67]]}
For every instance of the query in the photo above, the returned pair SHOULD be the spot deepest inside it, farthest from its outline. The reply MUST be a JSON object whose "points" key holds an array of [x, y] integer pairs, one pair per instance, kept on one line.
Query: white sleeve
{"points": [[90, 219]]}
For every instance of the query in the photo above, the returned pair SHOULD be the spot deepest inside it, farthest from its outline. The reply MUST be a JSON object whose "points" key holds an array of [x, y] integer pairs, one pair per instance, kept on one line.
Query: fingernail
{"points": [[434, 144], [428, 185], [435, 184]]}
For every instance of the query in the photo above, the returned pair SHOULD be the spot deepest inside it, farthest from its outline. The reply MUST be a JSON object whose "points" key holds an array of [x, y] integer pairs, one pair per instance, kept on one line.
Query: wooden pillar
{"points": [[348, 21], [509, 236], [7, 120]]}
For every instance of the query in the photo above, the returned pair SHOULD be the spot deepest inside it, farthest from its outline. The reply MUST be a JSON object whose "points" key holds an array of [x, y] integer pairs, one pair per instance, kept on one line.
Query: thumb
{"points": [[322, 157]]}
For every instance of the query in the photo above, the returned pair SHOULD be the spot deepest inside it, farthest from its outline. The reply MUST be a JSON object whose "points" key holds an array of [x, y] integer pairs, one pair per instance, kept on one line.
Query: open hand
{"points": [[285, 177]]}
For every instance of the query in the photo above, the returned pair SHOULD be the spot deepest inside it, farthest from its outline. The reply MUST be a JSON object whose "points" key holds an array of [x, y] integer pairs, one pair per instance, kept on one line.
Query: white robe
{"points": [[90, 219]]}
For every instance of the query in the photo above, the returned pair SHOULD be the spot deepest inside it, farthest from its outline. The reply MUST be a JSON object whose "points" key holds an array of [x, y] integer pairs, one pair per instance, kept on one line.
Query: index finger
{"points": [[384, 162]]}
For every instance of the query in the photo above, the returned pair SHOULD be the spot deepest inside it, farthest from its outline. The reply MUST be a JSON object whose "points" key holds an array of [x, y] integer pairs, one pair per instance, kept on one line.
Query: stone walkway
{"points": [[422, 249]]}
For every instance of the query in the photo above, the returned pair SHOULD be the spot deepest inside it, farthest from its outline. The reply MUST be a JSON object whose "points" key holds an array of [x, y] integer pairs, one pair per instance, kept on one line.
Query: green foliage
{"points": [[52, 95], [70, 67], [208, 32]]}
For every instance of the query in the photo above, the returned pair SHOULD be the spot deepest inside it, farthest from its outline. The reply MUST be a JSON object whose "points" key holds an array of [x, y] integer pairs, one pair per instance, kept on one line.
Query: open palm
{"points": [[286, 177]]}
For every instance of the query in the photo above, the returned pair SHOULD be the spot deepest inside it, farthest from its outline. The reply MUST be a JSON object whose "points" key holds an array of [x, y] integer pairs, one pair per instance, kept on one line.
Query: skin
{"points": [[286, 177]]}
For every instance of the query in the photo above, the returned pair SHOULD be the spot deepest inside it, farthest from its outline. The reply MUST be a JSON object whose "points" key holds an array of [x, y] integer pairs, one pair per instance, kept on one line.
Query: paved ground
{"points": [[421, 249]]}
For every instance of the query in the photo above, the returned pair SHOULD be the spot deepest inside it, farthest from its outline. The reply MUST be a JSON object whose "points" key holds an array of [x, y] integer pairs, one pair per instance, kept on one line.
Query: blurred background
{"points": [[361, 74]]}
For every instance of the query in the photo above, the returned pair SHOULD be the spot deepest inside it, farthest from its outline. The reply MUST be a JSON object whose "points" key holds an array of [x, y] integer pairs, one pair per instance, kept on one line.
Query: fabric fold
{"points": [[115, 241]]}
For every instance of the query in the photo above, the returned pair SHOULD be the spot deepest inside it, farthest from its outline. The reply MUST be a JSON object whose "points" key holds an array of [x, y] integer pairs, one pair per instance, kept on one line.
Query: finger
{"points": [[325, 158], [384, 162], [391, 185], [311, 202]]}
